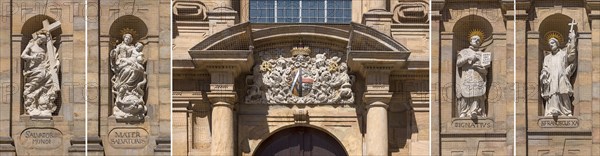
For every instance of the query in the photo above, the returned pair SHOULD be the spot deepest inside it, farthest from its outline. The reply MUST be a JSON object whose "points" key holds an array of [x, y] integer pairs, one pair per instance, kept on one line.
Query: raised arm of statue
{"points": [[571, 46]]}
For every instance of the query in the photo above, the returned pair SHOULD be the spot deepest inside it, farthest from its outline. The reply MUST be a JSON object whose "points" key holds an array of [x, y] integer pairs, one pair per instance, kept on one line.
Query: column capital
{"points": [[377, 99], [221, 98]]}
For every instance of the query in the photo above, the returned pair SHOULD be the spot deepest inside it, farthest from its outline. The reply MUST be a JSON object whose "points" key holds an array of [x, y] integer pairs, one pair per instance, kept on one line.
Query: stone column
{"points": [[520, 59], [377, 97], [436, 17], [222, 17], [594, 17], [224, 5], [222, 98], [377, 6]]}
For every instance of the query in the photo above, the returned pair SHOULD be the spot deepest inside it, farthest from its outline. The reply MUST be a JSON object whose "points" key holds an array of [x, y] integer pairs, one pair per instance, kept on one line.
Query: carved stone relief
{"points": [[129, 80], [40, 72], [471, 84], [558, 67], [300, 79], [411, 12]]}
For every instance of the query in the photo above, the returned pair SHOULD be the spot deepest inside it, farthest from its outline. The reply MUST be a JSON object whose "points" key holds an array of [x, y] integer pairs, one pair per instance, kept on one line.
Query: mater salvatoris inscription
{"points": [[41, 138], [128, 138], [558, 123], [466, 123]]}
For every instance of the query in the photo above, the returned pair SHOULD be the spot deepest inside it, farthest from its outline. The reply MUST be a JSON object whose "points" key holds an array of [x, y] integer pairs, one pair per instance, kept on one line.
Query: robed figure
{"points": [[42, 63], [472, 65], [558, 67], [129, 79]]}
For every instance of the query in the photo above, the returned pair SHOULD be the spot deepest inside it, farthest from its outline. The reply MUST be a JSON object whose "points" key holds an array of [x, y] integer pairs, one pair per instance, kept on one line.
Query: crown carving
{"points": [[301, 50]]}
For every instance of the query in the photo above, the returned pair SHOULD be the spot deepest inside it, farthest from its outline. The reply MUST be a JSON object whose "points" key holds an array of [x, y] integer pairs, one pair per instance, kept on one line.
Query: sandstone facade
{"points": [[63, 131], [561, 135], [453, 22], [148, 22], [217, 53]]}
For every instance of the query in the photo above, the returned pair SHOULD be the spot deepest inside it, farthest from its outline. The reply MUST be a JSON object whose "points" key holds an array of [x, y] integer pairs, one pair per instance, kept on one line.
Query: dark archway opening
{"points": [[300, 141]]}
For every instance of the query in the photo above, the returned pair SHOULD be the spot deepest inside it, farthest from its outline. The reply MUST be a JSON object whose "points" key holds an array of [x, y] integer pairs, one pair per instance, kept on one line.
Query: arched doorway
{"points": [[301, 141]]}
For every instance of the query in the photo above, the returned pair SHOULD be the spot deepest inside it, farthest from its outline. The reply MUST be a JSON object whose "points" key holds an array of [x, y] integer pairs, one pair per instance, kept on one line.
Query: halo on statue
{"points": [[476, 32], [556, 35]]}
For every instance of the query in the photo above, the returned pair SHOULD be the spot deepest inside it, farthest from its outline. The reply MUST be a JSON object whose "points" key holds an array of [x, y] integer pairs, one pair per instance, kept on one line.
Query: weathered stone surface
{"points": [[392, 45], [128, 138], [558, 123], [41, 138]]}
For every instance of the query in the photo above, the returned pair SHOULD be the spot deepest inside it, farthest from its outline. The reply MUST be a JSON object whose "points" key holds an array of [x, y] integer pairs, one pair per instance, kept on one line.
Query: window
{"points": [[300, 11]]}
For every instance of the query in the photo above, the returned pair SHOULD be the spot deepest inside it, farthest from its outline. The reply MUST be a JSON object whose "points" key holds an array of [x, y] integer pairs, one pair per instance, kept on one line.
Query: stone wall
{"points": [[407, 114], [557, 135], [149, 23], [63, 132], [492, 134]]}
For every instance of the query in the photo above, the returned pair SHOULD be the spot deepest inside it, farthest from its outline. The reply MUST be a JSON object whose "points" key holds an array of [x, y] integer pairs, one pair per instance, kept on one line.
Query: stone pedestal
{"points": [[131, 138], [35, 135], [221, 19], [379, 20]]}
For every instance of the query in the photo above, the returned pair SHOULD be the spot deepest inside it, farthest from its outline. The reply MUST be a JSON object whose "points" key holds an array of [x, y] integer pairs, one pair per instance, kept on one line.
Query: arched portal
{"points": [[300, 141]]}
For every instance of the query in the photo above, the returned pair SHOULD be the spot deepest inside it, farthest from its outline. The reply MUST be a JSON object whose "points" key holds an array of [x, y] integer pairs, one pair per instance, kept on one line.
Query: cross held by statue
{"points": [[572, 24], [49, 27]]}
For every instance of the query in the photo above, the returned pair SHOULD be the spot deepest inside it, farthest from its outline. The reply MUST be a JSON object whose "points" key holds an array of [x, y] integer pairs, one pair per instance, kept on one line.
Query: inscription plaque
{"points": [[128, 138], [466, 123], [558, 123], [41, 138]]}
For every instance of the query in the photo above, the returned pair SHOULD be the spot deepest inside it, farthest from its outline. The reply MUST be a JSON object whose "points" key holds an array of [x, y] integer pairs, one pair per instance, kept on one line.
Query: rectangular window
{"points": [[300, 11]]}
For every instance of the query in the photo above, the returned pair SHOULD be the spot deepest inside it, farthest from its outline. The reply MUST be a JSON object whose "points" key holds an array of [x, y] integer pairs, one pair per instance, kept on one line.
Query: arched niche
{"points": [[34, 24], [308, 139], [558, 23], [127, 24], [460, 40], [31, 26]]}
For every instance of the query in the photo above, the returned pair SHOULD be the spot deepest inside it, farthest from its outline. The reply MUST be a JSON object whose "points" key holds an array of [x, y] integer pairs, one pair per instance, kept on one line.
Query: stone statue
{"points": [[558, 67], [40, 73], [129, 80], [472, 66]]}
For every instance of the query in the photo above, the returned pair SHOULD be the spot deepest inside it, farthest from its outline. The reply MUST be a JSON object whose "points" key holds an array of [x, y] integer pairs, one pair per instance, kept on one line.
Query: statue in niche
{"points": [[472, 66], [129, 80], [558, 67], [40, 72]]}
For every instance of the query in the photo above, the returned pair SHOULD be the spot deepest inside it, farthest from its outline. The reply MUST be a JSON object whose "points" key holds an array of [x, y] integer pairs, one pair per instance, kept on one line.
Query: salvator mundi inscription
{"points": [[128, 138], [41, 138]]}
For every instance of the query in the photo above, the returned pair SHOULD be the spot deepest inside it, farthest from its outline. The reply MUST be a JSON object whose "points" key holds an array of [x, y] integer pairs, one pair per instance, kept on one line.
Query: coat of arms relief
{"points": [[300, 79]]}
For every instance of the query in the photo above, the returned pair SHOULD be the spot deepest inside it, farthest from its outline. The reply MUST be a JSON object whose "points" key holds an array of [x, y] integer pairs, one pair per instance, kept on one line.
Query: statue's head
{"points": [[127, 38], [475, 41], [41, 37], [553, 42]]}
